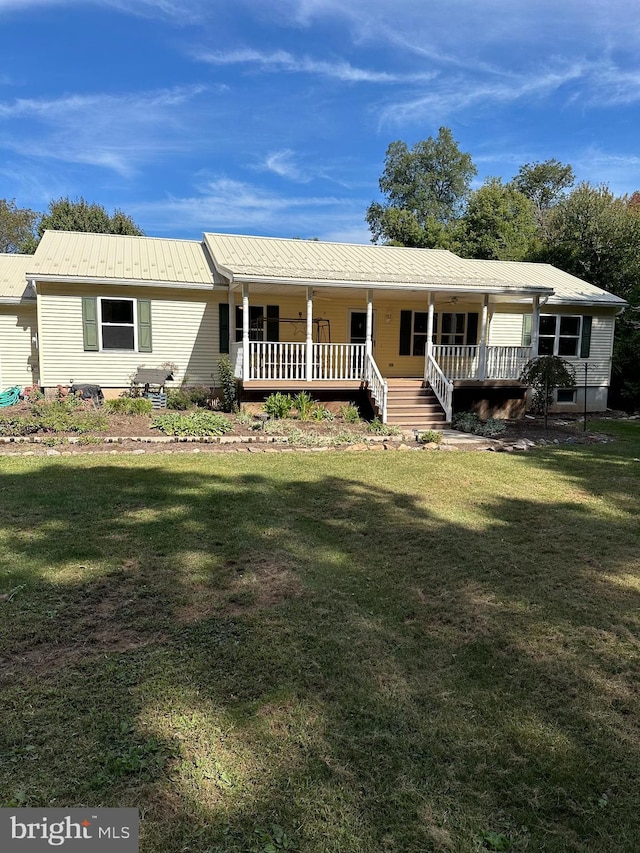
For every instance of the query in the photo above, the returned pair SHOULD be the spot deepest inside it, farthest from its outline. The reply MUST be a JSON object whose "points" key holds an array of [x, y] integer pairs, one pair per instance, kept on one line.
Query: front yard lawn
{"points": [[328, 653]]}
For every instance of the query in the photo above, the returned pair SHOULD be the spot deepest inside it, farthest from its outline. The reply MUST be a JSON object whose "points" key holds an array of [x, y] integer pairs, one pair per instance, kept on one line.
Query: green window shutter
{"points": [[90, 323], [144, 325], [472, 329], [223, 326], [585, 342], [405, 333], [527, 326], [273, 322]]}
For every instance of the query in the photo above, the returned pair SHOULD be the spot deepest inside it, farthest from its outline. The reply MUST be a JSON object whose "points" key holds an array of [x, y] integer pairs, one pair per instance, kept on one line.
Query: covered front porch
{"points": [[310, 364]]}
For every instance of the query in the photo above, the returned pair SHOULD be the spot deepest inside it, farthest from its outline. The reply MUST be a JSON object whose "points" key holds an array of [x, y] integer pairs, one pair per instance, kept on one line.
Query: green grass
{"points": [[393, 652]]}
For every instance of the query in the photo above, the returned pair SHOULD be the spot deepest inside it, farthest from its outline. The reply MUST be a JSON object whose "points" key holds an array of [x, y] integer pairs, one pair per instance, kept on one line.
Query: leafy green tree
{"points": [[543, 374], [425, 189], [596, 236], [80, 215], [499, 224], [544, 184], [16, 227]]}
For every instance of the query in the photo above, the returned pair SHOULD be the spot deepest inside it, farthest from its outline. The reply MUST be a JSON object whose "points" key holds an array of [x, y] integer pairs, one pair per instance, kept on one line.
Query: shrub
{"points": [[129, 406], [68, 415], [17, 425], [376, 426], [430, 436], [178, 399], [303, 404], [470, 422], [278, 405], [200, 396], [245, 418], [350, 413], [466, 422], [319, 413], [229, 385], [194, 424], [494, 426]]}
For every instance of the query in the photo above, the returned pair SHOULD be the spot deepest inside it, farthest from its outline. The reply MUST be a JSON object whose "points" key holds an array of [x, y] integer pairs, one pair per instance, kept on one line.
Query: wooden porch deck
{"points": [[302, 385]]}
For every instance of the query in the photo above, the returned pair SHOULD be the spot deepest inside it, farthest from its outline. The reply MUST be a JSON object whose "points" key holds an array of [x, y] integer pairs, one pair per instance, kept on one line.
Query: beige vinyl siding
{"points": [[18, 355], [506, 330], [184, 331]]}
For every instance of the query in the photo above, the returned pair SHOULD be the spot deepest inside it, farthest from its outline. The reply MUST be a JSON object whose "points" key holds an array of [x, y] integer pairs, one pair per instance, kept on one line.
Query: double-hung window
{"points": [[117, 324]]}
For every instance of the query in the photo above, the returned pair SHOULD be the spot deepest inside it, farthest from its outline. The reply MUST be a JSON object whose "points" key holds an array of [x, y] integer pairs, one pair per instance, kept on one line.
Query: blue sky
{"points": [[273, 118]]}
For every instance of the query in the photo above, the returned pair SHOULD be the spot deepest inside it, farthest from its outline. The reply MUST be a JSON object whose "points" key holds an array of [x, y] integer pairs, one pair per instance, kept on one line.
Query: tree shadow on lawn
{"points": [[232, 652]]}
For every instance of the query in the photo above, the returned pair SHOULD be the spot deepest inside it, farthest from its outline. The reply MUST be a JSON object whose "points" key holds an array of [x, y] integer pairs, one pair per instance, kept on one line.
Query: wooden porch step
{"points": [[411, 404]]}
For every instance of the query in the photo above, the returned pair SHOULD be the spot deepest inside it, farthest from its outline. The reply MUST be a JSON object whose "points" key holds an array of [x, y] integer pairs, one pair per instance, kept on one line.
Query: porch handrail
{"points": [[377, 385], [338, 361], [275, 360], [458, 361], [506, 362], [442, 387]]}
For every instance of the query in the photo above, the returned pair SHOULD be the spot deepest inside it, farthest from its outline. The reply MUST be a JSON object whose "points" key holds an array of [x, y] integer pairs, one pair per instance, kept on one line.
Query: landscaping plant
{"points": [[228, 384], [278, 405], [129, 406], [303, 404], [543, 374], [197, 423]]}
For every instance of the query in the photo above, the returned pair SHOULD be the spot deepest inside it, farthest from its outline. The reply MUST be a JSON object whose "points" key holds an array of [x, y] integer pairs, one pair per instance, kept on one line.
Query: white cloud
{"points": [[224, 204], [116, 132], [283, 61], [283, 163]]}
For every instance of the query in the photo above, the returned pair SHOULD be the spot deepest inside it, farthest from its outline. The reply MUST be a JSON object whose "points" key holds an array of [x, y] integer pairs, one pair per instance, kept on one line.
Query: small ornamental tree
{"points": [[543, 374], [228, 384]]}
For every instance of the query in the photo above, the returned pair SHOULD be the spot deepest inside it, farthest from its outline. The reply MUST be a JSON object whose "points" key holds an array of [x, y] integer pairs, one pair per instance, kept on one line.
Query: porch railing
{"points": [[288, 361], [377, 386], [458, 362], [442, 387], [478, 362], [338, 361], [506, 362]]}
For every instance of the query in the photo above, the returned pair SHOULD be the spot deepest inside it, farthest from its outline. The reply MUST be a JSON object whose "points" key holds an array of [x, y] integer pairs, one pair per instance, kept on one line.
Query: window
{"points": [[264, 325], [566, 395], [559, 335], [448, 329], [117, 326]]}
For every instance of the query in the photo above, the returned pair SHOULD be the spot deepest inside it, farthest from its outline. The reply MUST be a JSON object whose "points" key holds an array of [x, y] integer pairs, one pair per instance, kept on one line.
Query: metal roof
{"points": [[13, 277], [265, 258], [116, 257], [567, 287]]}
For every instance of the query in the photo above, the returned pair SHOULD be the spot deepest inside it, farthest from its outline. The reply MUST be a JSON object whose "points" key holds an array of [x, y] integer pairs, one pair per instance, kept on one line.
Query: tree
{"points": [[499, 224], [543, 374], [425, 187], [16, 227], [596, 236], [79, 215], [544, 184]]}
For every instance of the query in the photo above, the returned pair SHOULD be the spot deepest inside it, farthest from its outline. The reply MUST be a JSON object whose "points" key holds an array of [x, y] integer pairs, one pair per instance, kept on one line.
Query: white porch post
{"points": [[245, 331], [309, 345], [369, 330], [482, 365], [535, 326], [231, 300], [428, 351]]}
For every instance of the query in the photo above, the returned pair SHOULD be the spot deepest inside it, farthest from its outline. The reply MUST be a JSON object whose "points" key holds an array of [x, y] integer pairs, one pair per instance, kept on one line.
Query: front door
{"points": [[358, 327]]}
